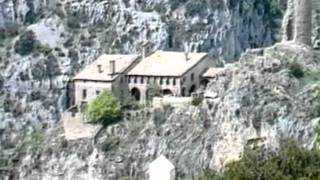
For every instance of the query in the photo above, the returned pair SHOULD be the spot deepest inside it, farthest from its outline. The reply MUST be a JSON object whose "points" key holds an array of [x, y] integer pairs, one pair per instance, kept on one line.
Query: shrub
{"points": [[194, 8], [153, 90], [26, 43], [296, 70], [110, 144], [58, 10], [196, 101], [69, 42], [176, 3], [104, 109], [9, 31], [129, 103], [274, 8], [291, 162], [46, 50], [73, 22]]}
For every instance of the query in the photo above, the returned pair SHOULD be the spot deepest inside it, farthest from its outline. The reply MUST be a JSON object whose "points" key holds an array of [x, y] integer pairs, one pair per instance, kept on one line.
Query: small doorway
{"points": [[192, 89], [183, 92], [204, 83], [135, 93]]}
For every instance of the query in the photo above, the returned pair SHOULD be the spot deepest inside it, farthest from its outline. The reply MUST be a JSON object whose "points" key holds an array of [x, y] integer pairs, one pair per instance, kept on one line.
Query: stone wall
{"points": [[171, 101]]}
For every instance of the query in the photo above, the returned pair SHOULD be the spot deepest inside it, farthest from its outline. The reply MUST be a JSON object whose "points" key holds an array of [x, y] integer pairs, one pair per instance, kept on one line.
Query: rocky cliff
{"points": [[247, 107], [259, 101]]}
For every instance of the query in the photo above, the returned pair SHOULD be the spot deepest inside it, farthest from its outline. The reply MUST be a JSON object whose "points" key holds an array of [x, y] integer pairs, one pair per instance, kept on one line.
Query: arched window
{"points": [[142, 80], [167, 80], [135, 79]]}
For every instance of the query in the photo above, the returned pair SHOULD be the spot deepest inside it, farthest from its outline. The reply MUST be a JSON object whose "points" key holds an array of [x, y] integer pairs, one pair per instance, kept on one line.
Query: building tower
{"points": [[303, 21]]}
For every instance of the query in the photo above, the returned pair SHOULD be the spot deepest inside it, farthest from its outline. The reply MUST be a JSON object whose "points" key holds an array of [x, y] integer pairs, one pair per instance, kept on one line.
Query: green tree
{"points": [[26, 43], [105, 109]]}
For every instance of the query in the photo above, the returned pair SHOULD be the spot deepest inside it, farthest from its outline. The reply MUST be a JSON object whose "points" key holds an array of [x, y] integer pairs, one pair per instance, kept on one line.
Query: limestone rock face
{"points": [[257, 103], [33, 88], [224, 27]]}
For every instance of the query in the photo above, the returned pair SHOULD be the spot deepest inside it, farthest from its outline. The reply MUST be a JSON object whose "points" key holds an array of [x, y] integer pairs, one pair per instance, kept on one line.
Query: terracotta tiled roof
{"points": [[213, 72], [164, 63], [91, 72]]}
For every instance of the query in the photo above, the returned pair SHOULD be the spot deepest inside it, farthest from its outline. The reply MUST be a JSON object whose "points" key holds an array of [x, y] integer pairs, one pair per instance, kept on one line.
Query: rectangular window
{"points": [[174, 81], [167, 80], [97, 92], [192, 77], [135, 79], [148, 80], [84, 94]]}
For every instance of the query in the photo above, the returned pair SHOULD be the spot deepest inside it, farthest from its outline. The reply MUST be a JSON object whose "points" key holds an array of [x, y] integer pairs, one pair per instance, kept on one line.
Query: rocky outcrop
{"points": [[205, 25], [255, 102], [70, 34], [258, 102]]}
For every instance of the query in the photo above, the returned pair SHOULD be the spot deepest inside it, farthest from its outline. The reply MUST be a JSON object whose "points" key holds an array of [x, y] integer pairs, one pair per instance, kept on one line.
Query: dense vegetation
{"points": [[296, 70], [290, 163], [105, 109], [26, 43]]}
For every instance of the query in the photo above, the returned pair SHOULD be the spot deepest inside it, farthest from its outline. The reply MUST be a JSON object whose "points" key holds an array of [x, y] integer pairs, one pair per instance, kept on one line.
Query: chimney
{"points": [[144, 50], [143, 53], [112, 66], [100, 68]]}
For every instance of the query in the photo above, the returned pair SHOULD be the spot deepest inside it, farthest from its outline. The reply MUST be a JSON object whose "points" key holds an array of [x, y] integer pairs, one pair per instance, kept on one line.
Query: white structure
{"points": [[161, 169]]}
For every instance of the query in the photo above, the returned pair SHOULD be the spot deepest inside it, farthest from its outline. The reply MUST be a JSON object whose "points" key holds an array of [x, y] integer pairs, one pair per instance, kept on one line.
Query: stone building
{"points": [[106, 73], [175, 73]]}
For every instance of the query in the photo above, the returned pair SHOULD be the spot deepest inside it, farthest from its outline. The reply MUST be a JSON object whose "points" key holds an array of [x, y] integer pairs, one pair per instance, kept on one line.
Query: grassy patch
{"points": [[311, 77]]}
